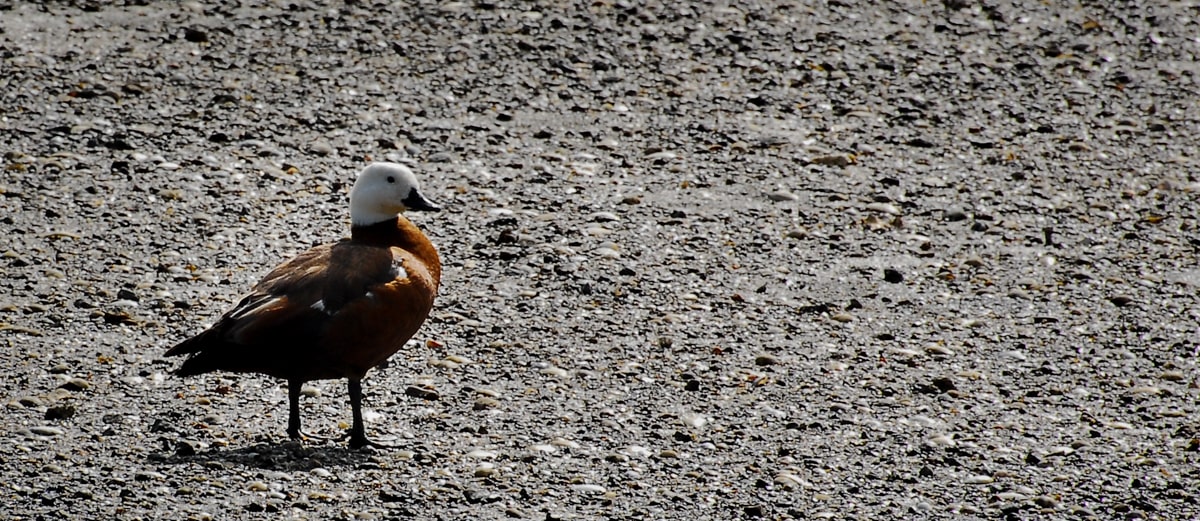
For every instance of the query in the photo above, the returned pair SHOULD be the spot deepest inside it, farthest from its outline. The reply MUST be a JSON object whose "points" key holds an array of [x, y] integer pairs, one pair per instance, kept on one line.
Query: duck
{"points": [[337, 310]]}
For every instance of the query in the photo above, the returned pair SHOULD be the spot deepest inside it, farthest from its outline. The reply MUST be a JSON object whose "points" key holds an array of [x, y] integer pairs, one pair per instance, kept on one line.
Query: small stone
{"points": [[1046, 501], [76, 384], [886, 208], [45, 430], [559, 441], [482, 454], [484, 403], [693, 420], [939, 350], [944, 384], [842, 317], [631, 199], [588, 489], [840, 160], [1121, 300], [766, 359], [892, 276], [782, 195], [60, 412], [979, 480], [195, 35], [185, 448], [955, 214], [421, 392], [321, 148], [1173, 376], [788, 481]]}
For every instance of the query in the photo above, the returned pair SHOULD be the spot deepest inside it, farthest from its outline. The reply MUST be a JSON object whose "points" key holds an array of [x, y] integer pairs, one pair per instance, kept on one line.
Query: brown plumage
{"points": [[336, 310]]}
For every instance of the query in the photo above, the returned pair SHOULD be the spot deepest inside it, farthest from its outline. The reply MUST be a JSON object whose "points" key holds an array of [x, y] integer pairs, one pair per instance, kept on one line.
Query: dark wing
{"points": [[288, 311]]}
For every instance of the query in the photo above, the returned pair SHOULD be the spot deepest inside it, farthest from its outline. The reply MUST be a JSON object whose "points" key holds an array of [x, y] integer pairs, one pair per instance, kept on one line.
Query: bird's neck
{"points": [[401, 233]]}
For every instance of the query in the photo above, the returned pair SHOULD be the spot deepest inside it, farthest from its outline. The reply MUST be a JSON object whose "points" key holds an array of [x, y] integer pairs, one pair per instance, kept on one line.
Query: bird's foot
{"points": [[302, 436]]}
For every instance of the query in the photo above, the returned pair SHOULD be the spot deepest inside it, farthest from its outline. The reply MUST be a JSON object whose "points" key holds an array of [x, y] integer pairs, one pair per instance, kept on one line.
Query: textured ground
{"points": [[779, 260]]}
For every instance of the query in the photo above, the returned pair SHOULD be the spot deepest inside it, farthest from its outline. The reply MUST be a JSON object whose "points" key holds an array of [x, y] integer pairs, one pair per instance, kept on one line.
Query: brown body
{"points": [[334, 311]]}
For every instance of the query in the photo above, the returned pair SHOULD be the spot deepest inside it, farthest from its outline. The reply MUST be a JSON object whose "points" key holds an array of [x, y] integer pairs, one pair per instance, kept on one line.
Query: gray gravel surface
{"points": [[787, 260]]}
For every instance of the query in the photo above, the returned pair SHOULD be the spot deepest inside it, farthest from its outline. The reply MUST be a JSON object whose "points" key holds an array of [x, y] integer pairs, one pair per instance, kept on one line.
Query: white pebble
{"points": [[782, 195], [482, 454], [887, 208]]}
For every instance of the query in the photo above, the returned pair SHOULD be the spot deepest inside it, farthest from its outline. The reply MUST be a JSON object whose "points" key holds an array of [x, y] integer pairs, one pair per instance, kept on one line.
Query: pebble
{"points": [[485, 402], [310, 391], [797, 233], [886, 208], [482, 454], [1046, 501], [46, 430], [588, 489], [422, 392], [840, 160], [782, 195], [1173, 376], [60, 412], [939, 350], [842, 317], [76, 384], [563, 442], [979, 480], [662, 156], [607, 253], [955, 214], [321, 148], [789, 481], [693, 420], [766, 359], [557, 372], [941, 440]]}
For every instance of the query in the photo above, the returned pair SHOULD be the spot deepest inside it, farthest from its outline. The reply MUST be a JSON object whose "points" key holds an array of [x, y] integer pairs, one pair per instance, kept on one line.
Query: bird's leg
{"points": [[293, 429], [358, 433]]}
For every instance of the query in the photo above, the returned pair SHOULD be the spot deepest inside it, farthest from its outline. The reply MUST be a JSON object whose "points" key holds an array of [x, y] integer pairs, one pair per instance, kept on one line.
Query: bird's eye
{"points": [[391, 179]]}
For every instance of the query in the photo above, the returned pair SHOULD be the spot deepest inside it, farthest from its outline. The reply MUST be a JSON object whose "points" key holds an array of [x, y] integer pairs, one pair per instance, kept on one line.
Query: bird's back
{"points": [[334, 311]]}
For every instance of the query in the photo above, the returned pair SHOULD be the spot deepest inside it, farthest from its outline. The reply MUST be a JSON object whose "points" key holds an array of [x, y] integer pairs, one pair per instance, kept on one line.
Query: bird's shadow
{"points": [[286, 456]]}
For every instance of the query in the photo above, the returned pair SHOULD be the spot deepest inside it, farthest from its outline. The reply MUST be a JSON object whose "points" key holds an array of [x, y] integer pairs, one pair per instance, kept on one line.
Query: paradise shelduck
{"points": [[336, 310]]}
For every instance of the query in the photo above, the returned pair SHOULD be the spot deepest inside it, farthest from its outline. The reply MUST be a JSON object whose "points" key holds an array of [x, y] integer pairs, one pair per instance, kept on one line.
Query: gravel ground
{"points": [[785, 260]]}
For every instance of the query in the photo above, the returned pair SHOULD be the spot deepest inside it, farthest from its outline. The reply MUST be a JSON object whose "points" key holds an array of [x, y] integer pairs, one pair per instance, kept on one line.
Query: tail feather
{"points": [[200, 348]]}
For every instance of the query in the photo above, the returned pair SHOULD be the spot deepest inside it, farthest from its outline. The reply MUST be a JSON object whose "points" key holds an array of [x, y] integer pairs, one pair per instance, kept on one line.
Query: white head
{"points": [[383, 191]]}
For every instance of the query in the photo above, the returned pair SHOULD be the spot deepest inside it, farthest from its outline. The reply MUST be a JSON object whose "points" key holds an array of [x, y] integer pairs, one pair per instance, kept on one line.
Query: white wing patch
{"points": [[398, 271], [319, 306]]}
